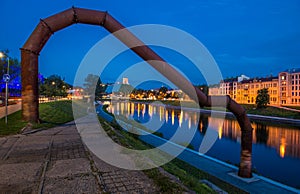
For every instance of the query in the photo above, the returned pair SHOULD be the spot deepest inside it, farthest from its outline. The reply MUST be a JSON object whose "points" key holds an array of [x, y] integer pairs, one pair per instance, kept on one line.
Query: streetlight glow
{"points": [[6, 84]]}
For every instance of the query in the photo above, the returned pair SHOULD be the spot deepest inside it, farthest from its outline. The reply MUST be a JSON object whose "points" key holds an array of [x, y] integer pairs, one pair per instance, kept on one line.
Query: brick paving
{"points": [[56, 161]]}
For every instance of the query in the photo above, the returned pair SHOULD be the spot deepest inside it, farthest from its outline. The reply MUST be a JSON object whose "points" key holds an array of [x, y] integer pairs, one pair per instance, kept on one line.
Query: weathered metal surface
{"points": [[54, 23]]}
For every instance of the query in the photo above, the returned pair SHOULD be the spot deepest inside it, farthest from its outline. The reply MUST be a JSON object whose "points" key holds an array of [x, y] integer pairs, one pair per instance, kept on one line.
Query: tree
{"points": [[14, 72], [203, 88], [54, 85], [262, 98], [162, 92], [93, 86], [163, 89]]}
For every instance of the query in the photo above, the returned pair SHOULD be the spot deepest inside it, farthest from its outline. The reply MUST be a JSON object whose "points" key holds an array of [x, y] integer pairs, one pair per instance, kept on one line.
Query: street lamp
{"points": [[6, 78]]}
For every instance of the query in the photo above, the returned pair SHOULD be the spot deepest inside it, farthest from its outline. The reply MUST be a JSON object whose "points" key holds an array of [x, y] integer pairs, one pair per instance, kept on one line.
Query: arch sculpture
{"points": [[46, 27]]}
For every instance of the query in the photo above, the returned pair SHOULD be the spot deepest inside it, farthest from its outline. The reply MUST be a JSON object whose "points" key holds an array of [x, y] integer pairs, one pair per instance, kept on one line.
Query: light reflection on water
{"points": [[276, 149]]}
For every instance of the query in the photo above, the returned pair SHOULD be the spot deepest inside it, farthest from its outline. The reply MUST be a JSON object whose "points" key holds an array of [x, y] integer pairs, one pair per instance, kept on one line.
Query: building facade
{"points": [[289, 85], [283, 89]]}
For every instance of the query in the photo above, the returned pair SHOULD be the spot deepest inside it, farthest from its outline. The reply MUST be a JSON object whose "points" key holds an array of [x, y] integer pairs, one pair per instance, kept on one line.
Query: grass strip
{"points": [[14, 124], [51, 114], [187, 174]]}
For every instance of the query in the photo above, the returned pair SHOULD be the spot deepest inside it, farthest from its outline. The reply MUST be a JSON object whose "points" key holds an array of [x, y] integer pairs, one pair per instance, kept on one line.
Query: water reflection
{"points": [[276, 149], [285, 140]]}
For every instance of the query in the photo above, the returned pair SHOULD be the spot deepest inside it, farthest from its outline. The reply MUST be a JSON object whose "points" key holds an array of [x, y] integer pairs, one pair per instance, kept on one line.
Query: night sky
{"points": [[256, 38]]}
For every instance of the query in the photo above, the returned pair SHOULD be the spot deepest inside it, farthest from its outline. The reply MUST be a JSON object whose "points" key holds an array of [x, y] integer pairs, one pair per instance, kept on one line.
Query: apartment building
{"points": [[289, 87], [284, 89]]}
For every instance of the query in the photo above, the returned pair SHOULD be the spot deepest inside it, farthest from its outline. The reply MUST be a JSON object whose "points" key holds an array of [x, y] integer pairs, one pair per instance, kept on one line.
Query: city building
{"points": [[283, 89], [125, 81], [289, 87]]}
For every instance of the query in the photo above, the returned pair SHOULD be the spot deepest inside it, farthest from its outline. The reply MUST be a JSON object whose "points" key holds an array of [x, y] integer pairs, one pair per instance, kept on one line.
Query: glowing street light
{"points": [[6, 78]]}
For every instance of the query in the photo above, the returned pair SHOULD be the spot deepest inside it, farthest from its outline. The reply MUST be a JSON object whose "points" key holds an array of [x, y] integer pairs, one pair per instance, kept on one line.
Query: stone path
{"points": [[56, 161]]}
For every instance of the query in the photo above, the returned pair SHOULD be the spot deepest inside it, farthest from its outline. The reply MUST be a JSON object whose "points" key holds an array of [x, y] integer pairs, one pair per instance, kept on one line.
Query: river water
{"points": [[276, 148]]}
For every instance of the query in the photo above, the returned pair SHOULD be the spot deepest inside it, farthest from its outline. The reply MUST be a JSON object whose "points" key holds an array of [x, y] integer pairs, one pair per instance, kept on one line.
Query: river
{"points": [[276, 148]]}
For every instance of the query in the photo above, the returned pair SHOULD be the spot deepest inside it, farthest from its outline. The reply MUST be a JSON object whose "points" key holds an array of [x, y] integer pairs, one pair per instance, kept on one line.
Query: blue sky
{"points": [[256, 38]]}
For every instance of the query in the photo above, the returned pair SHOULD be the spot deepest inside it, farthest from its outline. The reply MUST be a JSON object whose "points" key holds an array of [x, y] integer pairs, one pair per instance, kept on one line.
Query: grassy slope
{"points": [[15, 124], [188, 175], [271, 111], [51, 114]]}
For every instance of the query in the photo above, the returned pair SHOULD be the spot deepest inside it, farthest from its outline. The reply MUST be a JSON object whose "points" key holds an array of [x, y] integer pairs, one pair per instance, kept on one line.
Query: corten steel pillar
{"points": [[30, 93], [48, 26]]}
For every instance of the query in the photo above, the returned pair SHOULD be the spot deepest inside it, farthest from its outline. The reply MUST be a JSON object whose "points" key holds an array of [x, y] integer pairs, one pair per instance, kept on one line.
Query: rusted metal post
{"points": [[30, 93], [47, 27]]}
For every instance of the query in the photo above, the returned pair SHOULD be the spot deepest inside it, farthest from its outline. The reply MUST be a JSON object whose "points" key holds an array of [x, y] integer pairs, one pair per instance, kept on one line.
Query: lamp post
{"points": [[6, 78]]}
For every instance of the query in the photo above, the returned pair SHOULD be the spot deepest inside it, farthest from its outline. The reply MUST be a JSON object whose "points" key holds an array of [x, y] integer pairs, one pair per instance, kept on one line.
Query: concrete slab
{"points": [[65, 168], [33, 142], [20, 177], [80, 184]]}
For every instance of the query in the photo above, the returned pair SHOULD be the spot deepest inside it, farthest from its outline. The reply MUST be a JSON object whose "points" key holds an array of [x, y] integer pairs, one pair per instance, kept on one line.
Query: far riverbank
{"points": [[269, 114]]}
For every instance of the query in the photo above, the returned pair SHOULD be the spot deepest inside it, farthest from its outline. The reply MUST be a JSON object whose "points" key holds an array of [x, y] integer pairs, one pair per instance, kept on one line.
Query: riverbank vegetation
{"points": [[188, 175]]}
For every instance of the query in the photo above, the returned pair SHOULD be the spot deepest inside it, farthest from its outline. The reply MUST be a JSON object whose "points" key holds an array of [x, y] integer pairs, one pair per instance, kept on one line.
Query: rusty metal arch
{"points": [[46, 27]]}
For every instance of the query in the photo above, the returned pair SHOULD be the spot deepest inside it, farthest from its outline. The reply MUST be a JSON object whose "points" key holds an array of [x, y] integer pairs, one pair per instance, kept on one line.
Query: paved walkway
{"points": [[56, 161], [11, 109]]}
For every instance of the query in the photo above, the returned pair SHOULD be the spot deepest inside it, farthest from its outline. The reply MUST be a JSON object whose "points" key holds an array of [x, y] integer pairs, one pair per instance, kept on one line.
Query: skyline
{"points": [[252, 38]]}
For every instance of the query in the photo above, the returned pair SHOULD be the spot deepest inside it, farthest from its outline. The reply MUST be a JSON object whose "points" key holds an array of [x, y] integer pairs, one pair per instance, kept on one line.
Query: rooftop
{"points": [[265, 79], [294, 70]]}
